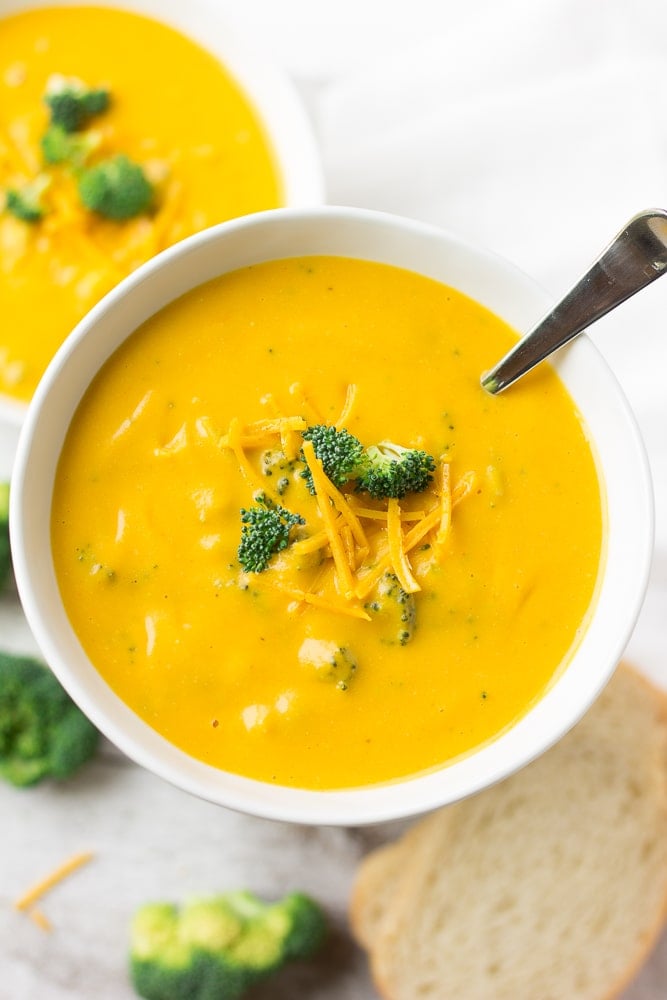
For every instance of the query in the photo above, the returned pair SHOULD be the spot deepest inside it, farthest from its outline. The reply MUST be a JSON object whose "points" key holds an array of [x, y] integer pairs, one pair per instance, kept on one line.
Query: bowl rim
{"points": [[629, 555], [273, 95]]}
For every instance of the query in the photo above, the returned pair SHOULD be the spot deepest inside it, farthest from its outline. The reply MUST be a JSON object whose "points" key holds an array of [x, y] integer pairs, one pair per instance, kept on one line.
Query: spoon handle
{"points": [[635, 258]]}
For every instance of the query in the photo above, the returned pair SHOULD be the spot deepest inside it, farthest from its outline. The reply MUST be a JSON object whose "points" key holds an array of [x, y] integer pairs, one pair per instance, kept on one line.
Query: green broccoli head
{"points": [[73, 103], [394, 610], [340, 453], [384, 470], [392, 471], [265, 530], [282, 469], [116, 188], [60, 146], [27, 203], [329, 661], [42, 732], [308, 926], [5, 551], [215, 949]]}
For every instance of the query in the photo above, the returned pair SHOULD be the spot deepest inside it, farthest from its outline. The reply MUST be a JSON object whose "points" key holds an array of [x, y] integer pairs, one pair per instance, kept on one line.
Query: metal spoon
{"points": [[635, 258]]}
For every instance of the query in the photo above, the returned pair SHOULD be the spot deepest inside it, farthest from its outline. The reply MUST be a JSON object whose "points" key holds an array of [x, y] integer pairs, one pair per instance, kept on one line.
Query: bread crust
{"points": [[383, 875]]}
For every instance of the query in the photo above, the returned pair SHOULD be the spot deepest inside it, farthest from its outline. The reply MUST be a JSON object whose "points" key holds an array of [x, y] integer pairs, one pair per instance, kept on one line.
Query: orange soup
{"points": [[372, 636], [173, 109]]}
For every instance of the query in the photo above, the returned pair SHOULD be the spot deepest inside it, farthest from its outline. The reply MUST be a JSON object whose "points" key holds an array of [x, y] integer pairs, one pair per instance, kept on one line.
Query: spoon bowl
{"points": [[635, 258]]}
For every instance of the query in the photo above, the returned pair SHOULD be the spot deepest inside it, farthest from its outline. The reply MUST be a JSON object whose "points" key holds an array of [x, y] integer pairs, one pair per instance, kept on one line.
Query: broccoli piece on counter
{"points": [[393, 471], [265, 530], [5, 551], [27, 203], [330, 661], [394, 610], [73, 103], [116, 188], [42, 732], [340, 453], [60, 146], [216, 948]]}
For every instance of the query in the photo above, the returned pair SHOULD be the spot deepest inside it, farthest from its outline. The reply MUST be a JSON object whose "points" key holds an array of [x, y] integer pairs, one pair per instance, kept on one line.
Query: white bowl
{"points": [[407, 244], [269, 90]]}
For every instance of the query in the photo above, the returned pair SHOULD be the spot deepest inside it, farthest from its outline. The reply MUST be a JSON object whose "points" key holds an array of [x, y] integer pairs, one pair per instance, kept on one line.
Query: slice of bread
{"points": [[373, 891], [385, 871], [551, 885]]}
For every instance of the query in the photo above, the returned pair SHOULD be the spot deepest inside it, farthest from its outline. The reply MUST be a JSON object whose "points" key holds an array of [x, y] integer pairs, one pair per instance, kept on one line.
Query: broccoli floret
{"points": [[339, 452], [394, 610], [116, 188], [59, 146], [72, 103], [265, 530], [393, 471], [27, 203], [42, 732], [307, 926], [330, 661], [215, 949], [5, 551], [384, 470], [278, 466]]}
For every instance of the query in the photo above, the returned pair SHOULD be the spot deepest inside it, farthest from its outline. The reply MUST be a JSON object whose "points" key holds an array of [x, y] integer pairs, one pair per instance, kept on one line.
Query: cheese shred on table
{"points": [[56, 876]]}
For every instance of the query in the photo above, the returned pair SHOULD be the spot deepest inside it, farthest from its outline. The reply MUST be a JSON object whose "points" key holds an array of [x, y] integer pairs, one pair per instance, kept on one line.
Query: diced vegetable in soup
{"points": [[297, 538], [118, 137]]}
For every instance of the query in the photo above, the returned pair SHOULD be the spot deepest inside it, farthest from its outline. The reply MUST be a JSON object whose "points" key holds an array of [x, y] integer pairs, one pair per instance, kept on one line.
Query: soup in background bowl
{"points": [[288, 684], [215, 130]]}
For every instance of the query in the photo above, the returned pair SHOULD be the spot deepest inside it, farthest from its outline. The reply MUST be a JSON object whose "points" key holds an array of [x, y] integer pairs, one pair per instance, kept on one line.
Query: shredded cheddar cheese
{"points": [[40, 919], [341, 505], [350, 399], [310, 544], [29, 898], [463, 488], [445, 491], [290, 442], [399, 559], [318, 601], [234, 442], [370, 513], [348, 545], [262, 433], [297, 391], [321, 484], [411, 539]]}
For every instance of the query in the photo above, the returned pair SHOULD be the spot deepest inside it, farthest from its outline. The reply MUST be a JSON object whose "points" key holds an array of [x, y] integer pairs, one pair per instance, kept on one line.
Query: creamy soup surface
{"points": [[175, 111], [322, 671]]}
